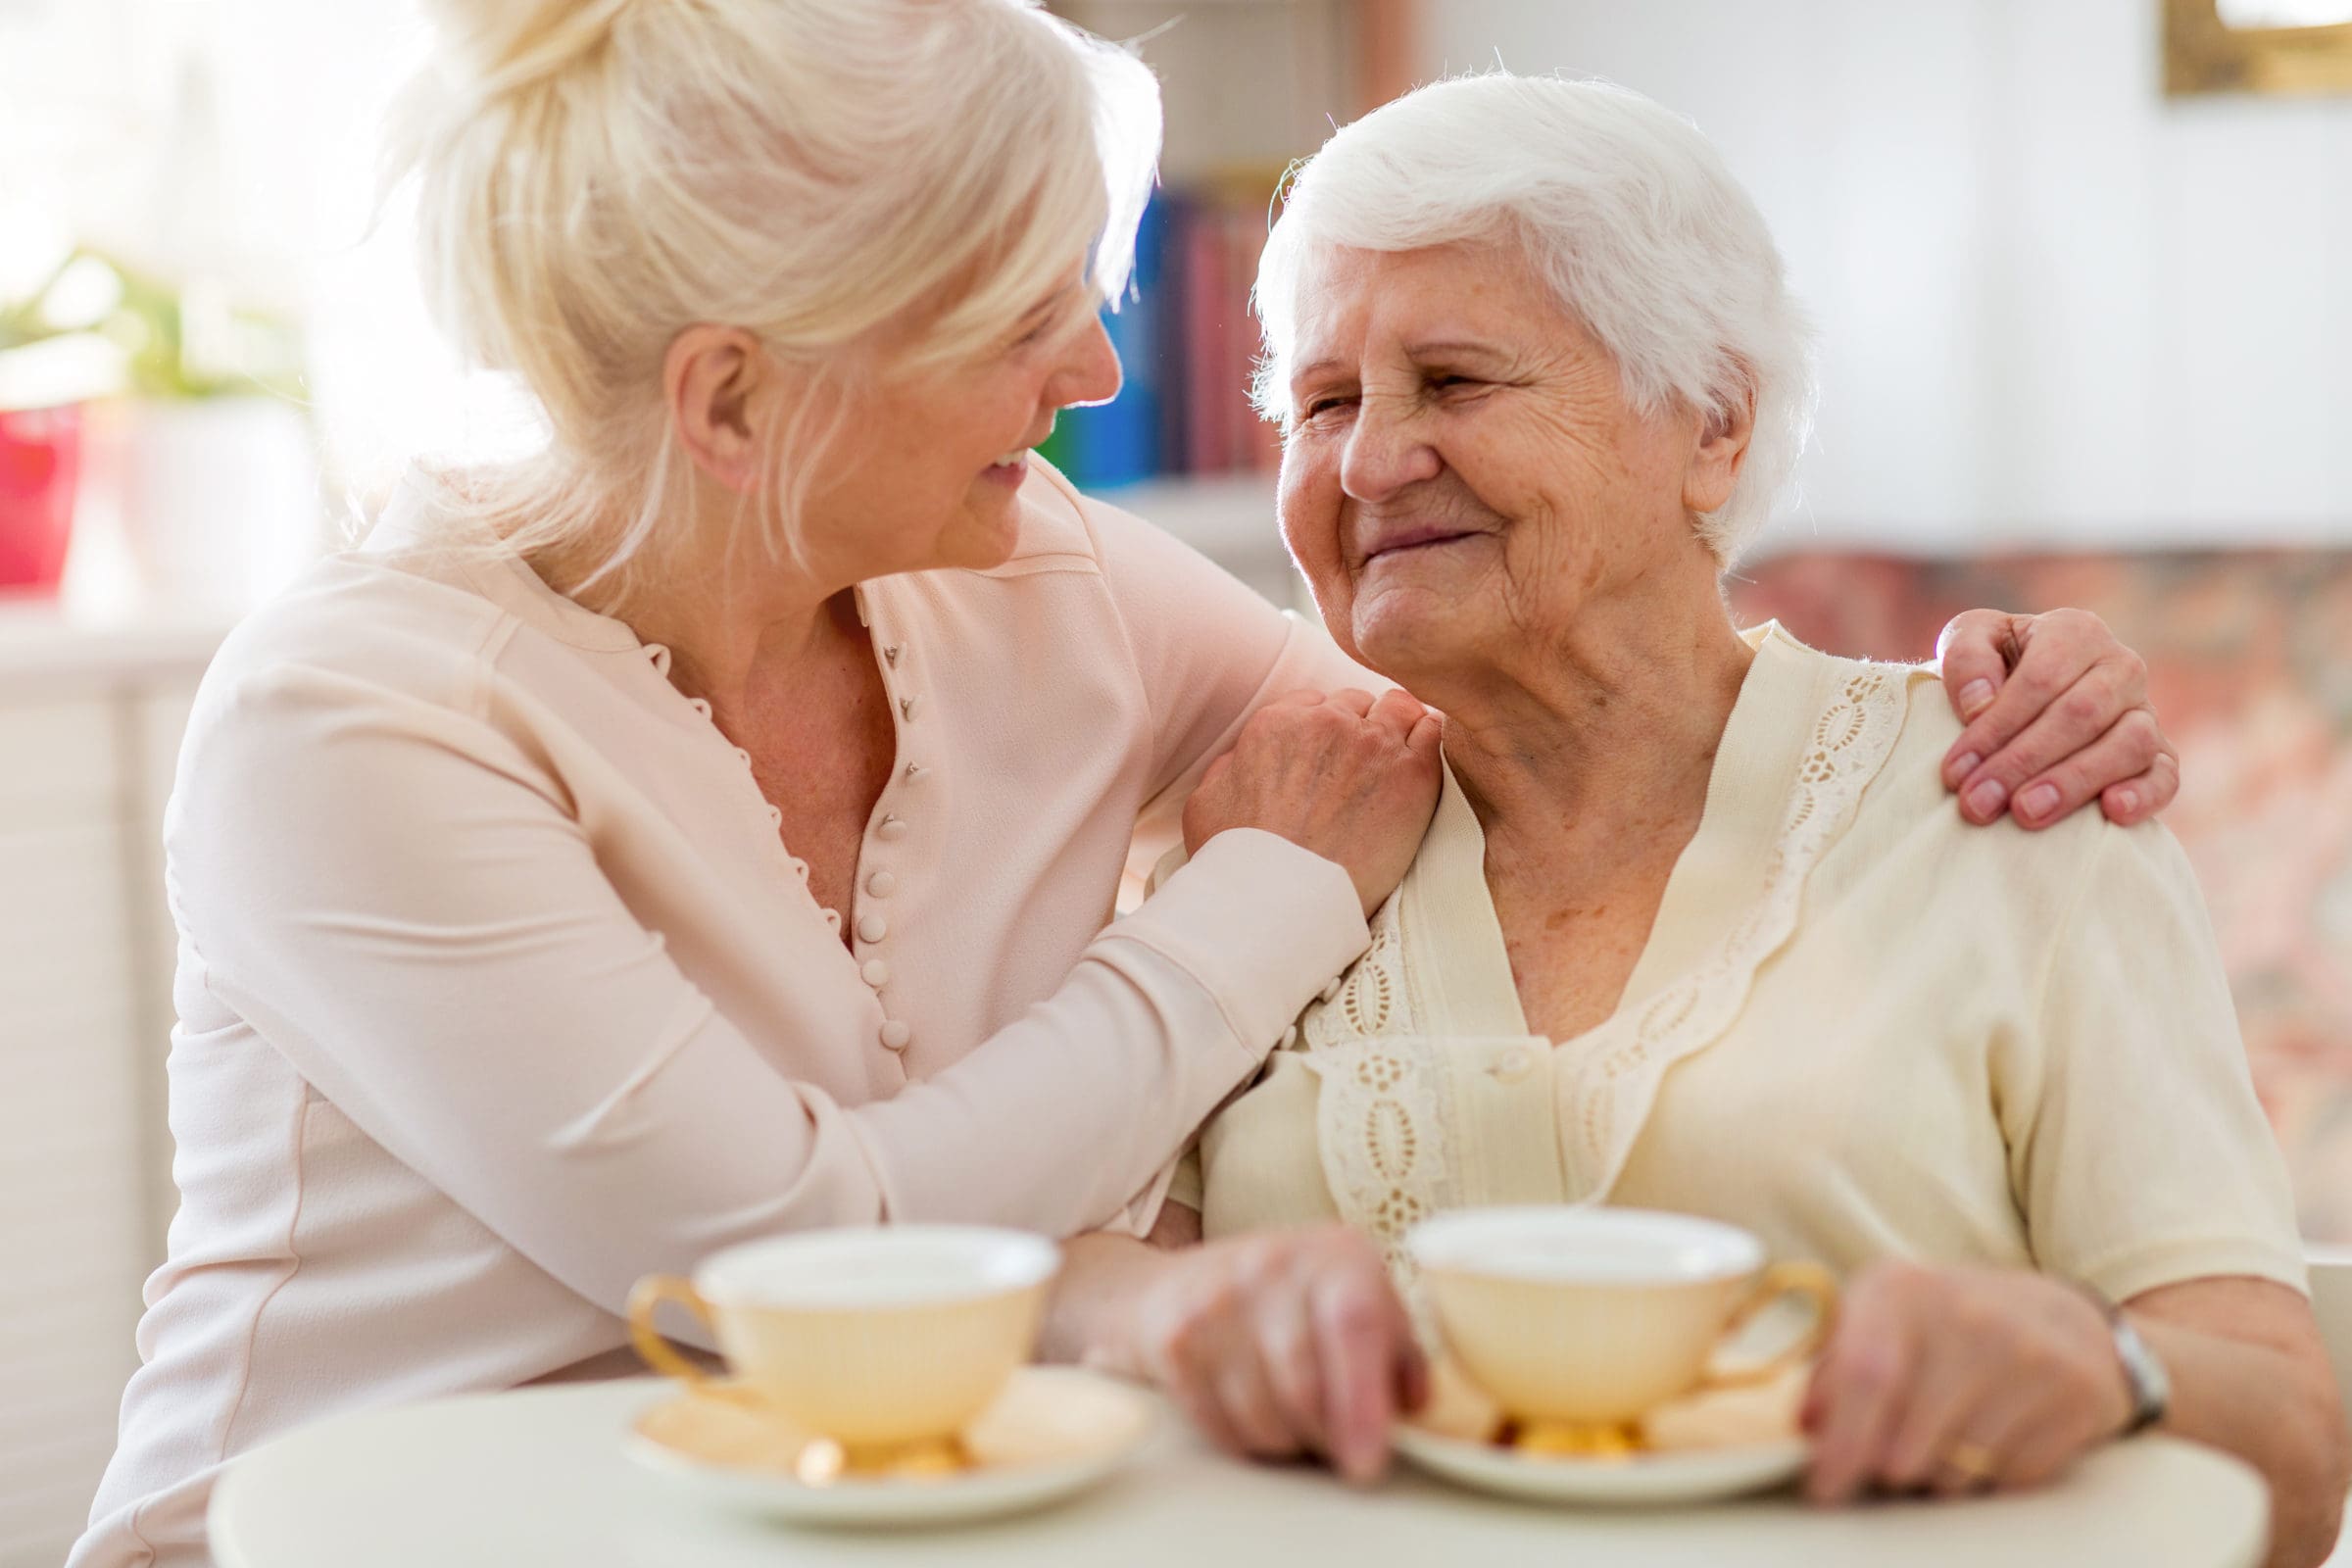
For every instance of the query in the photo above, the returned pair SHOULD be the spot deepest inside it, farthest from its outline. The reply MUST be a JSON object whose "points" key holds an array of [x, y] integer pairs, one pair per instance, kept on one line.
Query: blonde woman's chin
{"points": [[986, 529]]}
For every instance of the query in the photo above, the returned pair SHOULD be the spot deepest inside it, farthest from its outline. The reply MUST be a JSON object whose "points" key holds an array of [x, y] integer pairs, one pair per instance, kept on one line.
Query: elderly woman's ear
{"points": [[1723, 441]]}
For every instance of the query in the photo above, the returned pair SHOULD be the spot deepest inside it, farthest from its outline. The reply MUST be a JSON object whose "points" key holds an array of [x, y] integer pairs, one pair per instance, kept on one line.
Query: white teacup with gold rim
{"points": [[1589, 1318], [881, 1339]]}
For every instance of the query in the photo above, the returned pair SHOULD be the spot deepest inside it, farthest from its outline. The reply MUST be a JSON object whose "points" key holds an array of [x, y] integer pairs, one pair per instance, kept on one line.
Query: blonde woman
{"points": [[710, 827], [1694, 927]]}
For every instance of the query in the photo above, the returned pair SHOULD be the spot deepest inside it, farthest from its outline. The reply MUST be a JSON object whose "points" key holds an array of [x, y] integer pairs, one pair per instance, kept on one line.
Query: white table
{"points": [[503, 1480]]}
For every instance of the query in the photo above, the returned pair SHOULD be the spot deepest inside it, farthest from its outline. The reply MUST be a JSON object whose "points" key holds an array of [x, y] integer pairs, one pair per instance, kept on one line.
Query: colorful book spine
{"points": [[1187, 343], [1118, 442]]}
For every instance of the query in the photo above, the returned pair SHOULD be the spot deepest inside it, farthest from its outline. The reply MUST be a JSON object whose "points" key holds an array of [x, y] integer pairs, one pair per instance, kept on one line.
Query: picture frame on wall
{"points": [[2274, 47]]}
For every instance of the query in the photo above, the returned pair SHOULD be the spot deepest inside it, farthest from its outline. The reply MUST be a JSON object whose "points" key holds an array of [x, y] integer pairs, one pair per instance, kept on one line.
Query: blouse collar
{"points": [[1448, 914], [416, 522]]}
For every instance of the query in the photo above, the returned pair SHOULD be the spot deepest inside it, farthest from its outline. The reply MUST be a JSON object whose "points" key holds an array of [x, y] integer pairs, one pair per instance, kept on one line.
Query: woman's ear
{"points": [[1723, 442], [718, 382]]}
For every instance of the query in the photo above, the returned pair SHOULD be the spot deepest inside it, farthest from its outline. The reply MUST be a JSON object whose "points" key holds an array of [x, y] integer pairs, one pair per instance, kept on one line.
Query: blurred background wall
{"points": [[2056, 307]]}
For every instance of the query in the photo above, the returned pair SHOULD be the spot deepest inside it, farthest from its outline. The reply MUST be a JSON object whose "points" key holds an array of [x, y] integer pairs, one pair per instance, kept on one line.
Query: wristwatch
{"points": [[2151, 1388]]}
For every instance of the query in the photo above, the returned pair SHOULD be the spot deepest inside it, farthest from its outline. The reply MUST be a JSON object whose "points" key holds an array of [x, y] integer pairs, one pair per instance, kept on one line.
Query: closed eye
{"points": [[1036, 333]]}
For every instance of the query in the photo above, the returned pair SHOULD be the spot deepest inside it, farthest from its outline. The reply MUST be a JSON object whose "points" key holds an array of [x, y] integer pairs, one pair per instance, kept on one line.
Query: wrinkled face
{"points": [[1464, 475], [929, 465]]}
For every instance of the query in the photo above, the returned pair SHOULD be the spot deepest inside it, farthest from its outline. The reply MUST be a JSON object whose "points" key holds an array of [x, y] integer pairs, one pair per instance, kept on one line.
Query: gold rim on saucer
{"points": [[1054, 1431], [1643, 1480]]}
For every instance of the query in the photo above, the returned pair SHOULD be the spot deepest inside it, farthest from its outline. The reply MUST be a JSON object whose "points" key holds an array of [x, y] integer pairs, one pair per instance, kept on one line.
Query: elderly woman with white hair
{"points": [[711, 826], [1694, 927]]}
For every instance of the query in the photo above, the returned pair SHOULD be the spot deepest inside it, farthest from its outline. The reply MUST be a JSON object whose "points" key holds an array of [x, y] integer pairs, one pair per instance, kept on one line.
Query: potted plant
{"points": [[212, 429], [51, 362]]}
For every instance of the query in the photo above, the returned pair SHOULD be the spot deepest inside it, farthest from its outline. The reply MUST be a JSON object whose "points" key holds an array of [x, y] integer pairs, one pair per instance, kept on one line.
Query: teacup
{"points": [[880, 1339], [1593, 1316]]}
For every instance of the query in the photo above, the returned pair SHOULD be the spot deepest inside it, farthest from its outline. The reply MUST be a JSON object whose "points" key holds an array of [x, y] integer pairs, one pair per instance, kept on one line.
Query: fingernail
{"points": [[1964, 765], [1987, 797], [2038, 801], [2125, 802], [1975, 696]]}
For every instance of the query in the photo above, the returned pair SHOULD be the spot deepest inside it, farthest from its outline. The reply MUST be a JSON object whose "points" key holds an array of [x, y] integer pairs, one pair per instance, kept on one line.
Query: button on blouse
{"points": [[435, 815]]}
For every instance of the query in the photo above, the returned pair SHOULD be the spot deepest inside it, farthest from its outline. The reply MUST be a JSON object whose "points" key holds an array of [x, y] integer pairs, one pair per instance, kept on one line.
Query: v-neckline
{"points": [[1717, 876], [508, 580]]}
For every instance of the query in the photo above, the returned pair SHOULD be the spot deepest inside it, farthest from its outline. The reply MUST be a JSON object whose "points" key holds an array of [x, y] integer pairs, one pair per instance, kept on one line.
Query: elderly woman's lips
{"points": [[1416, 540]]}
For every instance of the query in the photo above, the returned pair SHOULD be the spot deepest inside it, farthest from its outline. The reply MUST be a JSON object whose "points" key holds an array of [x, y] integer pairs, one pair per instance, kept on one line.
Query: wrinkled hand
{"points": [[2057, 713], [1352, 779], [1285, 1344], [1959, 1380]]}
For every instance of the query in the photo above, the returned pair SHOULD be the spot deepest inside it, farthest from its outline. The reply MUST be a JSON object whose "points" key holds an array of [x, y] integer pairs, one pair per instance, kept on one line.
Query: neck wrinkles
{"points": [[1607, 731]]}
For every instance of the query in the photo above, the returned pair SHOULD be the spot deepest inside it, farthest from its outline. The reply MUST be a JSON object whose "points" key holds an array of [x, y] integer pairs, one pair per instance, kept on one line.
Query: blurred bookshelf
{"points": [[1250, 86]]}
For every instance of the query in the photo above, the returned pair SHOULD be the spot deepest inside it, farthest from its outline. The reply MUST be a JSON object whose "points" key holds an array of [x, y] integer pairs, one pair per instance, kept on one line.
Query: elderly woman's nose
{"points": [[1089, 371], [1385, 451]]}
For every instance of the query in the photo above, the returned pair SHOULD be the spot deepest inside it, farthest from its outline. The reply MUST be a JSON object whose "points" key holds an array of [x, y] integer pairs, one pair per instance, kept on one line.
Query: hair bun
{"points": [[503, 46]]}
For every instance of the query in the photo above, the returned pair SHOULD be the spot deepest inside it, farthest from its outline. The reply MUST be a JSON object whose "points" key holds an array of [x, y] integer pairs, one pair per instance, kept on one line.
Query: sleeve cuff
{"points": [[1178, 1182], [1185, 1186], [1262, 924], [2122, 1277], [1143, 1210]]}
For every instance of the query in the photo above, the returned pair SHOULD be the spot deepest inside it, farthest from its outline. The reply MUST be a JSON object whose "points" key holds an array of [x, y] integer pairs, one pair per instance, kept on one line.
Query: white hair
{"points": [[596, 175], [1622, 206]]}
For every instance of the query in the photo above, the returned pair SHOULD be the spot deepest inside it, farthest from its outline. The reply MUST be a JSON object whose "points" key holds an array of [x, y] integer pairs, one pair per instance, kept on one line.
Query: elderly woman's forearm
{"points": [[2270, 1399]]}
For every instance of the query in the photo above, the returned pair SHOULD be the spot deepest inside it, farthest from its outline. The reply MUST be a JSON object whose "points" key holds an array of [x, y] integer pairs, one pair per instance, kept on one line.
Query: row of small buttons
{"points": [[873, 926]]}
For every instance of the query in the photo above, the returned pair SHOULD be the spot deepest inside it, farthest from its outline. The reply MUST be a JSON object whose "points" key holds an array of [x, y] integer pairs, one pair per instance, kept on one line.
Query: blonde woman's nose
{"points": [[1090, 368]]}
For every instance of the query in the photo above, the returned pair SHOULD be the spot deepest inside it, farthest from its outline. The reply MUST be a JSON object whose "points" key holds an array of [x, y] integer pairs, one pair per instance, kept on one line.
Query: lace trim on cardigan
{"points": [[1385, 1122], [1382, 1118], [1623, 1060]]}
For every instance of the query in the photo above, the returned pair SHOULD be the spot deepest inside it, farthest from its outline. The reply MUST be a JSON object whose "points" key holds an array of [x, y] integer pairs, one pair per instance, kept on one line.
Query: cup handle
{"points": [[656, 1351], [1808, 1280]]}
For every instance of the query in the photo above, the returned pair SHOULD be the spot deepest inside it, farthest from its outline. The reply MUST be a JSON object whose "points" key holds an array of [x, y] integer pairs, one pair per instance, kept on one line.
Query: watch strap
{"points": [[2151, 1387]]}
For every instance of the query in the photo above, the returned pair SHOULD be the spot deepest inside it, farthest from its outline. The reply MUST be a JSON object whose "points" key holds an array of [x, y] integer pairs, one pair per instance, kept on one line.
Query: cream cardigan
{"points": [[1861, 1028], [497, 988]]}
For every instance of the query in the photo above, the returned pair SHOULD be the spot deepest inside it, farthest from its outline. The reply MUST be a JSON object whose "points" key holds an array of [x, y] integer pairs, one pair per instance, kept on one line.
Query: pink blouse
{"points": [[497, 988]]}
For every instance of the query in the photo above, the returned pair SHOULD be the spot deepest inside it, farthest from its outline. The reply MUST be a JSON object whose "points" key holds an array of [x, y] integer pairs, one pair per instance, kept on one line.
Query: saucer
{"points": [[1635, 1481], [1716, 1442], [1053, 1431]]}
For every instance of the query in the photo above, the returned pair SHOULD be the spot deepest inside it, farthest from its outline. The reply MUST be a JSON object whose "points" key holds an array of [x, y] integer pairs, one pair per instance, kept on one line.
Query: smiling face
{"points": [[931, 463], [1464, 476]]}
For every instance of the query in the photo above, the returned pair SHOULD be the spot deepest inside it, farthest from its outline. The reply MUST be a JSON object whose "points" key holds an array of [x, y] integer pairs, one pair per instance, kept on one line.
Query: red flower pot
{"points": [[40, 463]]}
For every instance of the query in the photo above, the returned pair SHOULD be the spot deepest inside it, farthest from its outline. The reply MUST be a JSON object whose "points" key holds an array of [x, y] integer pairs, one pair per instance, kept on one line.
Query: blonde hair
{"points": [[1621, 204], [596, 175]]}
